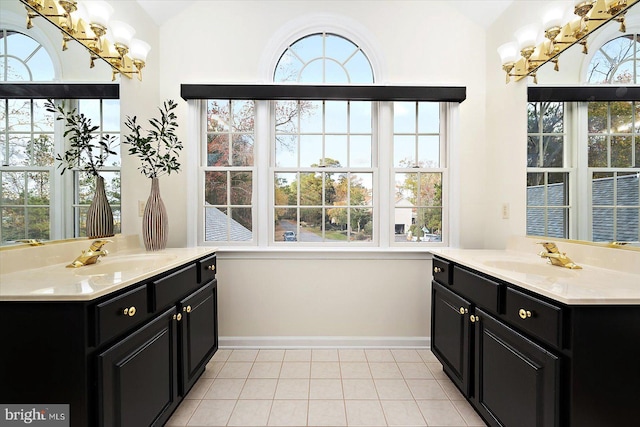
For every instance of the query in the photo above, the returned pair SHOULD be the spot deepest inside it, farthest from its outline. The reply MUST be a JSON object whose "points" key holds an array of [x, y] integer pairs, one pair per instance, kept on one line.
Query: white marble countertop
{"points": [[119, 269], [591, 285]]}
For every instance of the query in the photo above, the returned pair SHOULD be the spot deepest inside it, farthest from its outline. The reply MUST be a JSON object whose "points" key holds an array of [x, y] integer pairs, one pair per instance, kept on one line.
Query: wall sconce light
{"points": [[536, 49], [88, 23]]}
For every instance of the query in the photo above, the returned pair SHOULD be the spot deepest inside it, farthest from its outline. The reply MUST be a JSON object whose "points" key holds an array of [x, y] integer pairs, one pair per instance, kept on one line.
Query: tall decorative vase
{"points": [[154, 220], [99, 215]]}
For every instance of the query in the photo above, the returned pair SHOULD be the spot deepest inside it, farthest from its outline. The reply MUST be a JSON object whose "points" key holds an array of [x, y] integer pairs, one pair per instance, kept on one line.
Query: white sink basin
{"points": [[540, 269], [111, 265]]}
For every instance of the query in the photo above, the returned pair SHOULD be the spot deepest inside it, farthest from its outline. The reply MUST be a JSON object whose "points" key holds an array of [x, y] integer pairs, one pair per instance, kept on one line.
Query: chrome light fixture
{"points": [[89, 23], [535, 49]]}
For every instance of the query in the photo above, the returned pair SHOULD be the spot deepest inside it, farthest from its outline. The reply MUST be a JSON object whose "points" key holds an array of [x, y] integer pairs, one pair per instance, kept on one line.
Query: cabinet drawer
{"points": [[169, 289], [478, 289], [118, 314], [528, 313], [441, 271], [207, 269]]}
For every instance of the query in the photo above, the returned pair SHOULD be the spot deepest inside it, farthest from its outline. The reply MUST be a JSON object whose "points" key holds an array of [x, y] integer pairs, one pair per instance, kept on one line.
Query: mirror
{"points": [[36, 202]]}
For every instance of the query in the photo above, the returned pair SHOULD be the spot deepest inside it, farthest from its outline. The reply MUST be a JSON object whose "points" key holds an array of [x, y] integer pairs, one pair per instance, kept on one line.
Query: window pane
{"points": [[13, 188], [429, 117], [13, 224], [430, 189], [557, 222], [241, 224], [533, 151], [111, 115], [628, 225], [286, 151], [553, 151], [597, 151], [243, 116], [310, 225], [602, 189], [360, 156], [310, 117], [598, 112], [621, 117], [218, 116], [217, 149], [553, 119], [311, 189], [359, 69], [38, 223], [335, 151], [536, 221], [286, 225], [404, 117], [360, 117], [627, 192], [533, 117], [216, 225], [91, 109], [429, 222], [286, 189], [603, 225], [334, 73], [361, 224], [310, 150], [215, 188], [288, 68], [557, 190], [404, 151], [43, 120], [621, 151], [38, 189], [361, 189], [243, 150], [429, 151], [19, 115], [535, 189], [241, 188], [335, 117]]}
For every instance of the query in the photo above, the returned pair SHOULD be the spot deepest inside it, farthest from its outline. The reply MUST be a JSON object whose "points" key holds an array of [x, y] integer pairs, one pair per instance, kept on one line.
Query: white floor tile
{"points": [[235, 370], [200, 388], [385, 370], [325, 370], [292, 388], [359, 389], [243, 356], [325, 389], [327, 413], [351, 355], [364, 413], [288, 413], [270, 355], [355, 370], [379, 355], [298, 355], [225, 388], [212, 413], [324, 355], [426, 390], [402, 413], [295, 370], [183, 413], [409, 355], [440, 413], [259, 388], [265, 370], [393, 390], [250, 413], [415, 371]]}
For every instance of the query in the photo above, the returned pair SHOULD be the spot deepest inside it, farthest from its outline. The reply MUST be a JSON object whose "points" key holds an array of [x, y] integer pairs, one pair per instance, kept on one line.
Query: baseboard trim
{"points": [[324, 342]]}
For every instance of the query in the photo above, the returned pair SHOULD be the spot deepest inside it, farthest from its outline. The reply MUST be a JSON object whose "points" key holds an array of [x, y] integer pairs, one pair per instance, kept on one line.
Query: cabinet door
{"points": [[199, 333], [138, 376], [450, 335], [516, 380]]}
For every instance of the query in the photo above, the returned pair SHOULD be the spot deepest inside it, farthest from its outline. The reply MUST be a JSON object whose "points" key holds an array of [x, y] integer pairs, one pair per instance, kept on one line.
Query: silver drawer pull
{"points": [[437, 270], [524, 314]]}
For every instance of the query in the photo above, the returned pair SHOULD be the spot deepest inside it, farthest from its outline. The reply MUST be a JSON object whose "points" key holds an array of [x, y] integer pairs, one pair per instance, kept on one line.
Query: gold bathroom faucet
{"points": [[91, 256], [556, 257]]}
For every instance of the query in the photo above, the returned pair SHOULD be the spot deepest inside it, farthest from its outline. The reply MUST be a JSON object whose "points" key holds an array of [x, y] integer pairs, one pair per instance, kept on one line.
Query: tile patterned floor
{"points": [[324, 387]]}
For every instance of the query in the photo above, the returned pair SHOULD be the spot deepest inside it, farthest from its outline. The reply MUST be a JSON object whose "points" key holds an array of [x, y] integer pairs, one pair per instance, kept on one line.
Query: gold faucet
{"points": [[32, 242], [91, 256], [556, 257]]}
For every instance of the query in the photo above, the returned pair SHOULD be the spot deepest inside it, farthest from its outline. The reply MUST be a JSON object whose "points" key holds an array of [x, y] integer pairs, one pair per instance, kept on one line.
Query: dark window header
{"points": [[323, 92], [59, 91], [583, 93]]}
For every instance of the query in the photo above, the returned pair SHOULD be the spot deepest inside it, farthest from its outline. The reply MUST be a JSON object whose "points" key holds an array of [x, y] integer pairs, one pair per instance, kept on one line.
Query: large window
{"points": [[36, 202], [334, 168]]}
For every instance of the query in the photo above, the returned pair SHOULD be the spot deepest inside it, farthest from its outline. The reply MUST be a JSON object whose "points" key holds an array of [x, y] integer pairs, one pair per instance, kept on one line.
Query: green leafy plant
{"points": [[87, 150], [157, 148]]}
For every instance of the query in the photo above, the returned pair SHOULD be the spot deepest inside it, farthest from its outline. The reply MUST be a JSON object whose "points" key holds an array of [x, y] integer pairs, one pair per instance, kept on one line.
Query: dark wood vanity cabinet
{"points": [[522, 359], [124, 359]]}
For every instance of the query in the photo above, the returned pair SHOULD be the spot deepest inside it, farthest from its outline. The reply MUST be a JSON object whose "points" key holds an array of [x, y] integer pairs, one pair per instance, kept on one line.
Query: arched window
{"points": [[324, 58], [616, 62], [22, 59], [330, 169]]}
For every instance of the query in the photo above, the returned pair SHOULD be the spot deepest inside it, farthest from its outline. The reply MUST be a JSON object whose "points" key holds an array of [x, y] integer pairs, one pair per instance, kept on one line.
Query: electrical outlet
{"points": [[141, 205], [505, 211]]}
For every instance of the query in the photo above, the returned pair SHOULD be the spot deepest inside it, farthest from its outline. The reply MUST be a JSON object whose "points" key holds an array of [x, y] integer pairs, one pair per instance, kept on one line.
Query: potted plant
{"points": [[158, 150], [87, 152]]}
